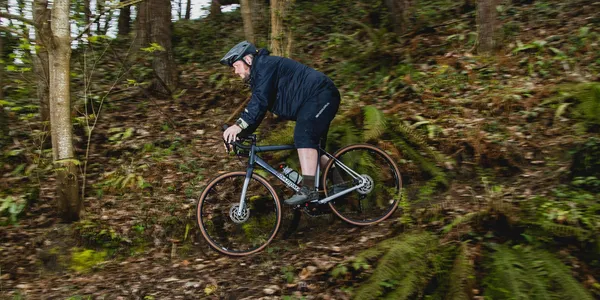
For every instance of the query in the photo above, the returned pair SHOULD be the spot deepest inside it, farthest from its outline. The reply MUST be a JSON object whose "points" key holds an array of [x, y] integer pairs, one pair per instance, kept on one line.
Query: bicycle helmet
{"points": [[238, 52]]}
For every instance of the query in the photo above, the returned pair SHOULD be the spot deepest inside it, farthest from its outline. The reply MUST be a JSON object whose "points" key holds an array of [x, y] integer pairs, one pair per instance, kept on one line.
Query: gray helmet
{"points": [[238, 52]]}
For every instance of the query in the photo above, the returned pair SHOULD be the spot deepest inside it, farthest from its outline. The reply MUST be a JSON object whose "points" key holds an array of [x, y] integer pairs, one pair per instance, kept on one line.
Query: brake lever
{"points": [[223, 128]]}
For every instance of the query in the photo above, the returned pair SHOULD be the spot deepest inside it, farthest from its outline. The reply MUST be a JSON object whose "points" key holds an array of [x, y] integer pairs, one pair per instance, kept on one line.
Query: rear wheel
{"points": [[238, 232], [377, 199]]}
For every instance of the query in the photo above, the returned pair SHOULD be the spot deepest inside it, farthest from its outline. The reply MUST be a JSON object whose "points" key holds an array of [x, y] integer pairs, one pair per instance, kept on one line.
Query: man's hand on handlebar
{"points": [[230, 134]]}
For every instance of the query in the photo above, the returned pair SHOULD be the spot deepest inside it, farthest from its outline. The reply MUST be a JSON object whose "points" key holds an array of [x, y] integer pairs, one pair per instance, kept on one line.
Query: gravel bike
{"points": [[239, 213]]}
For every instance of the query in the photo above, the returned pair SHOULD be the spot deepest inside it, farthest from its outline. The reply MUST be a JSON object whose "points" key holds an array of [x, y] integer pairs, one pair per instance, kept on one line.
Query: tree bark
{"points": [[124, 23], [467, 6], [281, 35], [399, 14], [41, 17], [67, 186], [259, 21], [88, 14], [215, 8], [154, 26], [487, 24], [99, 9], [188, 9], [246, 8], [4, 138]]}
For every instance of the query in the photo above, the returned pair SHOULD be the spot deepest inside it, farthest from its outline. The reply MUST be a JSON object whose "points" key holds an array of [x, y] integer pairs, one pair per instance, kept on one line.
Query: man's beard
{"points": [[246, 79]]}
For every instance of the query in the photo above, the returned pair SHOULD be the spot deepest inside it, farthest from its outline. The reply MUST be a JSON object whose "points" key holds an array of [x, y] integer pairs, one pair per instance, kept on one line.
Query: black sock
{"points": [[308, 181]]}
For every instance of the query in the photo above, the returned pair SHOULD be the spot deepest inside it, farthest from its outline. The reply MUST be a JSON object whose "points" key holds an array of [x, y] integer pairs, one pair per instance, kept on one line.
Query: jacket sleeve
{"points": [[263, 95]]}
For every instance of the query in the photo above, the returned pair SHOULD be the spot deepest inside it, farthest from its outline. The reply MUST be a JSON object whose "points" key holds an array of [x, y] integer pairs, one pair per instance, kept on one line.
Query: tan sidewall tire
{"points": [[362, 146], [209, 187]]}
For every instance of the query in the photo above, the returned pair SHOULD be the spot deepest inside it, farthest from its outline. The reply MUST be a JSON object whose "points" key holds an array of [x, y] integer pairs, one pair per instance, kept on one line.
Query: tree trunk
{"points": [[247, 19], [124, 23], [399, 14], [41, 17], [281, 35], [67, 186], [188, 9], [88, 14], [487, 25], [467, 6], [154, 26], [215, 8], [99, 9], [259, 21], [4, 138]]}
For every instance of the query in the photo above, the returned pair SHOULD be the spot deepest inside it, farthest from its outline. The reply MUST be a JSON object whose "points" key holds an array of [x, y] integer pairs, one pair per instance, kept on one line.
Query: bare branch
{"points": [[18, 18], [14, 31]]}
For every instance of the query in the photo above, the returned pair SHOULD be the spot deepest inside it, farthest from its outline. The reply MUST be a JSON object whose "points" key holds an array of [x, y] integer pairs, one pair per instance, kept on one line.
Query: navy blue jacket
{"points": [[280, 85]]}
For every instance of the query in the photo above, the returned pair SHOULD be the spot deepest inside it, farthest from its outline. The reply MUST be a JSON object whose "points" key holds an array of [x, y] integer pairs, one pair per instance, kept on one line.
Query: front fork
{"points": [[242, 206]]}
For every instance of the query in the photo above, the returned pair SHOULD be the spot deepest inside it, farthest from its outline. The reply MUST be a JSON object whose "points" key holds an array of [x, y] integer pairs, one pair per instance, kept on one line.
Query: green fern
{"points": [[561, 275], [507, 279], [469, 217], [526, 273], [375, 123], [404, 267], [462, 276]]}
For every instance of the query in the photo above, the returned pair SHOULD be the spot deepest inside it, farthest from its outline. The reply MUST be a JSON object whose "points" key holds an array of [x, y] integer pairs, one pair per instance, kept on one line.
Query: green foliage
{"points": [[83, 260], [11, 207], [462, 276], [375, 123], [118, 134], [403, 270], [527, 273], [586, 100], [566, 212]]}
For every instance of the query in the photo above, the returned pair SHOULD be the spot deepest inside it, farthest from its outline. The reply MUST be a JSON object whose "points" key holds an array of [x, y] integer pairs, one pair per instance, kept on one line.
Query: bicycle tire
{"points": [[376, 166], [212, 218]]}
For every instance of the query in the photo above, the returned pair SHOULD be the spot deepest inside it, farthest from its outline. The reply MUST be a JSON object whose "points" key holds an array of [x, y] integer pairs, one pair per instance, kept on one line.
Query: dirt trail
{"points": [[35, 261]]}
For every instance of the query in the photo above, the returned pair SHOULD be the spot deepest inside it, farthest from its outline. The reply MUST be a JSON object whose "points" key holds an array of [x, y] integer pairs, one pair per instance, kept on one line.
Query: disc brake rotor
{"points": [[238, 219]]}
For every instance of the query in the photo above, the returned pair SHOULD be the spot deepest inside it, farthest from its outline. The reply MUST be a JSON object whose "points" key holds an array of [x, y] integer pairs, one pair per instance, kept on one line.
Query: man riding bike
{"points": [[293, 91]]}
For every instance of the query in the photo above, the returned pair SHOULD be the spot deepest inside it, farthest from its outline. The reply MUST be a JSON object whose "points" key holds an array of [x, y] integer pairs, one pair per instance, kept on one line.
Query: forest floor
{"points": [[155, 249], [33, 252], [139, 239]]}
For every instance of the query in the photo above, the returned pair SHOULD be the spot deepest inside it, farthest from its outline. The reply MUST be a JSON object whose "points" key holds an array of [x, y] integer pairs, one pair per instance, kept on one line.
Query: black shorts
{"points": [[314, 117]]}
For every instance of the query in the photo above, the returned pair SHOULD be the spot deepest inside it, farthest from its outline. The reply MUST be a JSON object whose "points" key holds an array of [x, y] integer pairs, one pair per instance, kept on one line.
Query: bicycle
{"points": [[239, 213]]}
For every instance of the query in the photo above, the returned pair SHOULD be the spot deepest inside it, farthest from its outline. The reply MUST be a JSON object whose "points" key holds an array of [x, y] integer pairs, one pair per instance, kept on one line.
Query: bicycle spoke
{"points": [[377, 198], [233, 233]]}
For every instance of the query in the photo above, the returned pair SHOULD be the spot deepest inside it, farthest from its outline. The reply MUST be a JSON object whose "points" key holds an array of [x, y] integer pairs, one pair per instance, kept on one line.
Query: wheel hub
{"points": [[368, 186], [239, 218]]}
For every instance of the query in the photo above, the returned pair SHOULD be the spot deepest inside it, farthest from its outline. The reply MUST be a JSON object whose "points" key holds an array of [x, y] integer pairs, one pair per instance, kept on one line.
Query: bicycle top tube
{"points": [[265, 148]]}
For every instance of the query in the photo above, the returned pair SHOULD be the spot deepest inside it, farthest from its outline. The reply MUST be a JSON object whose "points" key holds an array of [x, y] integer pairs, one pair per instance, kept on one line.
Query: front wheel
{"points": [[379, 196], [234, 231]]}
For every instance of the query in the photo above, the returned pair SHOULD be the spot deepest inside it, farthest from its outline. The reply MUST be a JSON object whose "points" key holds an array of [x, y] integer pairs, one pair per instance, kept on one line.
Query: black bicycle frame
{"points": [[255, 159]]}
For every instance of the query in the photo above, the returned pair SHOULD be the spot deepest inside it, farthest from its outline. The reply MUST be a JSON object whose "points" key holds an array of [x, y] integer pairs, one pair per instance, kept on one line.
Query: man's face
{"points": [[242, 69]]}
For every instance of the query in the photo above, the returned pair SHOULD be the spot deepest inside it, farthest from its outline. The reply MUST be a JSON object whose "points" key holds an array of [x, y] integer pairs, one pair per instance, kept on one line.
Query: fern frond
{"points": [[462, 276], [465, 219], [418, 139], [564, 230], [538, 276], [561, 275], [281, 136], [375, 123], [507, 277], [405, 264]]}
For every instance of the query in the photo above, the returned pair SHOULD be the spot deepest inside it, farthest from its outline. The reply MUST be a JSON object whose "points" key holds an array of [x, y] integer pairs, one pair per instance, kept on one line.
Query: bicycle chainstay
{"points": [[314, 209]]}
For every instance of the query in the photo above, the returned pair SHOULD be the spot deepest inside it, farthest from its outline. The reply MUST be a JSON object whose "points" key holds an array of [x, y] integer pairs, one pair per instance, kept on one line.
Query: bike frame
{"points": [[255, 159]]}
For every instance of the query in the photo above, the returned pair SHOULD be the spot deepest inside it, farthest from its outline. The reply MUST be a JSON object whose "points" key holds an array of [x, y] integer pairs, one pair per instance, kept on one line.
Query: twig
{"points": [[237, 111]]}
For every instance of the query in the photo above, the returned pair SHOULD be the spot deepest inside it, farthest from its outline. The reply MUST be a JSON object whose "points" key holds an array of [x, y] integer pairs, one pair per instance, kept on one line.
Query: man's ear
{"points": [[248, 59]]}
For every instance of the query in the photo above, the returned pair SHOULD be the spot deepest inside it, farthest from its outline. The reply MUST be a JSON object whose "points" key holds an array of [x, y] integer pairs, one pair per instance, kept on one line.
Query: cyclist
{"points": [[293, 91]]}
